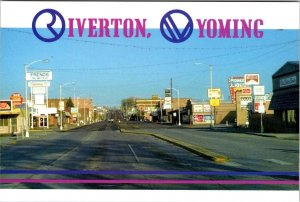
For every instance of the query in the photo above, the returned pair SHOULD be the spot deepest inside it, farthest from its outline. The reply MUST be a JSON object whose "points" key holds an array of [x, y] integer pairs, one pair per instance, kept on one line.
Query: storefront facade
{"points": [[285, 99]]}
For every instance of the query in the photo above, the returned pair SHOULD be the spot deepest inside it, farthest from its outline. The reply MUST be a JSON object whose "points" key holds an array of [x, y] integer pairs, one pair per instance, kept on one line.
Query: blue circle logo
{"points": [[171, 31], [55, 35]]}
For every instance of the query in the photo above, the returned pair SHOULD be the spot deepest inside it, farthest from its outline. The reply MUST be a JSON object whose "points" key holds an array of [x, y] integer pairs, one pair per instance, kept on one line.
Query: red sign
{"points": [[246, 91], [5, 105], [16, 98]]}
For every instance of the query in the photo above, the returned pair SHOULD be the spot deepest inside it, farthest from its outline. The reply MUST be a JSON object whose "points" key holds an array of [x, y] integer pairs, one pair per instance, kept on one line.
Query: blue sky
{"points": [[111, 69]]}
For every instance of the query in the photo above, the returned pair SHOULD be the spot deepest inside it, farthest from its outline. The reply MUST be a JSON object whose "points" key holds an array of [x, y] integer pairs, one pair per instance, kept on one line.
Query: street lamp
{"points": [[179, 122], [26, 67], [211, 84], [60, 105]]}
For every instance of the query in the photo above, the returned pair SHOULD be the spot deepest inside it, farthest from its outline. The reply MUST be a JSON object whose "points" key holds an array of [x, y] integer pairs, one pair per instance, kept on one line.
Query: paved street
{"points": [[99, 156]]}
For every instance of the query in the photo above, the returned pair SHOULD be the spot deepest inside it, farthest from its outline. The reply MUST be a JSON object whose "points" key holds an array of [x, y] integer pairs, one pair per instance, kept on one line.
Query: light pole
{"points": [[211, 86], [60, 102], [179, 122], [26, 67]]}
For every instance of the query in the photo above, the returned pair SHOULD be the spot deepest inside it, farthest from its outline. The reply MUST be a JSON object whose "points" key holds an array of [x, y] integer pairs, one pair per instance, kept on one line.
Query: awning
{"points": [[285, 100], [67, 114]]}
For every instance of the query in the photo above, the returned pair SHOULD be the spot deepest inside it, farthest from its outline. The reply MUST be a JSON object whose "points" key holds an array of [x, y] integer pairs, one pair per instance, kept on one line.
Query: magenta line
{"points": [[232, 182]]}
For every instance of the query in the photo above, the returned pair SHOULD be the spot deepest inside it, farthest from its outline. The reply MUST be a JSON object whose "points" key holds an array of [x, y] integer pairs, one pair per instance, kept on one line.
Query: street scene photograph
{"points": [[135, 111]]}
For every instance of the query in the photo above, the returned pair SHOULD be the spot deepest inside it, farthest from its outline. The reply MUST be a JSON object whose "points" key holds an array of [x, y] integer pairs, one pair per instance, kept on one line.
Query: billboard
{"points": [[251, 79], [259, 90], [236, 83]]}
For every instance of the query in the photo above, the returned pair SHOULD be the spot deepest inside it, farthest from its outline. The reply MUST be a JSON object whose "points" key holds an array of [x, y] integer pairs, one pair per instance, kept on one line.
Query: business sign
{"points": [[236, 83], [39, 75], [251, 79], [214, 93], [17, 99], [246, 91], [61, 105], [5, 105], [38, 84], [288, 81], [246, 102], [259, 101], [258, 90], [214, 102], [168, 99], [38, 90], [39, 99], [206, 108], [74, 110], [197, 108]]}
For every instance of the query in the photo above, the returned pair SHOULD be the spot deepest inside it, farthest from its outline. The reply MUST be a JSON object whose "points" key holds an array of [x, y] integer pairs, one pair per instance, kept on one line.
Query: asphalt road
{"points": [[99, 156]]}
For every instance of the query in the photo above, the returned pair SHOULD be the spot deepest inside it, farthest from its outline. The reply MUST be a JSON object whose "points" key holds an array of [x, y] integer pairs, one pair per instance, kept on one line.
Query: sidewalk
{"points": [[230, 129]]}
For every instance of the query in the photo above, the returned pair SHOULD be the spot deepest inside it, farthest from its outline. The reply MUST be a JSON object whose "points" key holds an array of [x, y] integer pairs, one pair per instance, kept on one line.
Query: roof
{"points": [[287, 68]]}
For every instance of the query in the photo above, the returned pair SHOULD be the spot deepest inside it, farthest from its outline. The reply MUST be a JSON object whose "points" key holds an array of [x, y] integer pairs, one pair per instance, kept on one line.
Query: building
{"points": [[285, 99], [11, 118]]}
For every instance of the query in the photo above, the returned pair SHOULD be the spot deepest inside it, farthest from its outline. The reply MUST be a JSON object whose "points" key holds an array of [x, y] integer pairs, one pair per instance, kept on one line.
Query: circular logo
{"points": [[56, 35], [171, 31]]}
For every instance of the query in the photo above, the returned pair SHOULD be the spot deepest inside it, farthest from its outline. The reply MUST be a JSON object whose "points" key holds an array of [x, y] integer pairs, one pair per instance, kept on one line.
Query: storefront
{"points": [[285, 99], [10, 120]]}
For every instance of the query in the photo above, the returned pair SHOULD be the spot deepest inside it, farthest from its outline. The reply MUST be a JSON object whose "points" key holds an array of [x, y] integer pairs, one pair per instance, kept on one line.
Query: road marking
{"points": [[279, 162], [135, 156]]}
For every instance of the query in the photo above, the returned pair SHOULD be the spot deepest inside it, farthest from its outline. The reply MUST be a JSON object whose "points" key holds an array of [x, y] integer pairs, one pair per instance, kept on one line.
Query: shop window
{"points": [[291, 118]]}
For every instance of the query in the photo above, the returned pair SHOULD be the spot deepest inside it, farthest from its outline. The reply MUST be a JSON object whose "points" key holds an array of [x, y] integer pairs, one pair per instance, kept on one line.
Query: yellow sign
{"points": [[214, 102]]}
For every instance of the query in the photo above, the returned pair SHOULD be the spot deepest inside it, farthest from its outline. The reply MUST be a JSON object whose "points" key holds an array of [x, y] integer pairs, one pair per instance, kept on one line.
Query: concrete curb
{"points": [[205, 153]]}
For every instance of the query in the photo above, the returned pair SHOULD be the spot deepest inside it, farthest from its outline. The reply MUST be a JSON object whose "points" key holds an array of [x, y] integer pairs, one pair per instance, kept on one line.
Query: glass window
{"points": [[291, 118]]}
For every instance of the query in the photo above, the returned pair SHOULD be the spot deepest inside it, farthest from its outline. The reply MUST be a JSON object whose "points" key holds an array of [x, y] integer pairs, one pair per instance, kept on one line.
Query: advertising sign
{"points": [[206, 108], [61, 106], [197, 108], [17, 99], [288, 81], [246, 91], [74, 110], [198, 118], [5, 105], [168, 92], [251, 79], [214, 102], [39, 99], [39, 75], [236, 83], [259, 90], [38, 90], [38, 83], [246, 102], [214, 93]]}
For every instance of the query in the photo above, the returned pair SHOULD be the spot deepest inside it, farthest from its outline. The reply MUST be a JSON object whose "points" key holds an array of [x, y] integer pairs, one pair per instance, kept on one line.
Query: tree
{"points": [[69, 103]]}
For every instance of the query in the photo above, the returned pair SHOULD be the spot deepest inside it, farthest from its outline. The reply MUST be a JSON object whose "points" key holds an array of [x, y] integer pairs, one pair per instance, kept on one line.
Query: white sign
{"points": [[214, 93], [39, 75], [251, 79], [38, 90], [261, 108], [259, 90], [206, 108], [198, 108], [39, 84], [39, 99], [74, 110], [61, 105]]}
